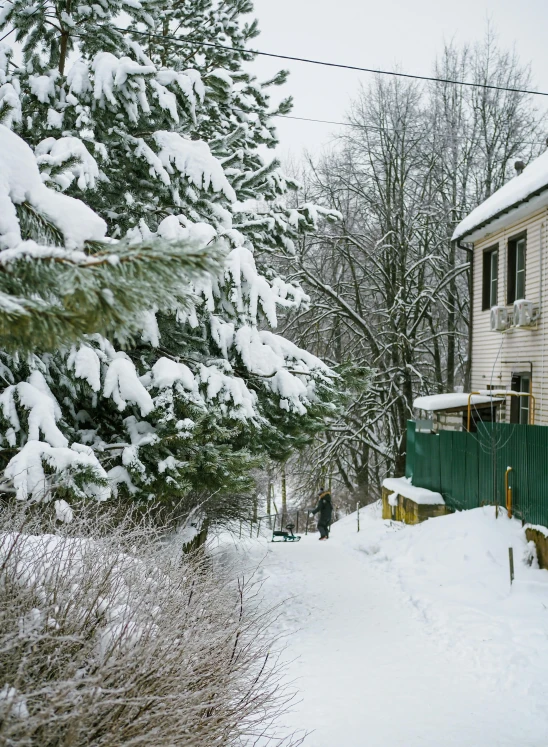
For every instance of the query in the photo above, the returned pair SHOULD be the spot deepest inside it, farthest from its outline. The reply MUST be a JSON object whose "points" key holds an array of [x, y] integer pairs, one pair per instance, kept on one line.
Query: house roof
{"points": [[454, 401], [520, 196]]}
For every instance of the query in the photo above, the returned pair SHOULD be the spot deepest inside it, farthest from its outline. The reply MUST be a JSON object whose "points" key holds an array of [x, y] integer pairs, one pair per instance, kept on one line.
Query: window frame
{"points": [[487, 279], [512, 267], [520, 407]]}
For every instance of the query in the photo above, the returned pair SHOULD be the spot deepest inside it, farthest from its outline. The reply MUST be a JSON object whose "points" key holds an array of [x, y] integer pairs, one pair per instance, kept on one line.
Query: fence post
{"points": [[297, 522], [358, 511], [511, 559]]}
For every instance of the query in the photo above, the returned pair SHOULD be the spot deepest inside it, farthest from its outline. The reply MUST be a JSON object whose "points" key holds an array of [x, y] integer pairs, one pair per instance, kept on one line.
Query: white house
{"points": [[507, 236]]}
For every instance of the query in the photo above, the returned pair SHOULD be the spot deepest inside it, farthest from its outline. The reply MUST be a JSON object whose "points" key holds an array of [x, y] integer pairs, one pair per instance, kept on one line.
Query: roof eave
{"points": [[471, 231]]}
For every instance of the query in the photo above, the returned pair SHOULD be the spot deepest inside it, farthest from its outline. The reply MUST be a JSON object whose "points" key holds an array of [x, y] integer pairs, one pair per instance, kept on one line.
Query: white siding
{"points": [[495, 355]]}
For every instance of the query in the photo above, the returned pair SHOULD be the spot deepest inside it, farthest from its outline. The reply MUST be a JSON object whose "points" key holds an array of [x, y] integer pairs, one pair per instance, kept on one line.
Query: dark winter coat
{"points": [[325, 509]]}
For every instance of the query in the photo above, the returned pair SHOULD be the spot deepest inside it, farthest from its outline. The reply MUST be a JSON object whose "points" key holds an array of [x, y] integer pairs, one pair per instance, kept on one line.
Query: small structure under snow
{"points": [[450, 411], [402, 501], [402, 486]]}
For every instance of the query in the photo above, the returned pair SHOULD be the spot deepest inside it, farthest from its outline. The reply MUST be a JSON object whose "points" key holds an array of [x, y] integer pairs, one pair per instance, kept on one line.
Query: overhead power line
{"points": [[38, 9], [356, 68], [371, 127], [324, 63]]}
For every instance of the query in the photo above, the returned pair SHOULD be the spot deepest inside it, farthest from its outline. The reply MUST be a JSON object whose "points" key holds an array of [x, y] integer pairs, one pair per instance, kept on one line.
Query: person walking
{"points": [[325, 509]]}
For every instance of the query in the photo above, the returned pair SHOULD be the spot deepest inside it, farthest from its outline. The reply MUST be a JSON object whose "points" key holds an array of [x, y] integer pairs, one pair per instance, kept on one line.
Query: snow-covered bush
{"points": [[111, 637]]}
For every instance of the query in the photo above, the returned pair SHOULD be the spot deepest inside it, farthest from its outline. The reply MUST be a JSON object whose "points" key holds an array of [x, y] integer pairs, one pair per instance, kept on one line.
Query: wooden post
{"points": [[240, 529], [511, 559], [306, 525], [268, 501], [297, 522], [358, 511]]}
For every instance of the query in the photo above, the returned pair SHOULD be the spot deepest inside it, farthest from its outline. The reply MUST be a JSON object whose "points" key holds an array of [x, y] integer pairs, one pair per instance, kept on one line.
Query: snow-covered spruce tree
{"points": [[60, 279], [122, 120]]}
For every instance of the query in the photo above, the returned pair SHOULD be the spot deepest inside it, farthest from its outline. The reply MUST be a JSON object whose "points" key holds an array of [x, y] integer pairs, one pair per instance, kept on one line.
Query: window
{"points": [[519, 406], [490, 277], [516, 269]]}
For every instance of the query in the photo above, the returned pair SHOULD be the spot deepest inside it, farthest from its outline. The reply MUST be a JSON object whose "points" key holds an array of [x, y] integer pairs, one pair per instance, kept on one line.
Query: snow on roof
{"points": [[532, 181], [450, 401], [401, 486]]}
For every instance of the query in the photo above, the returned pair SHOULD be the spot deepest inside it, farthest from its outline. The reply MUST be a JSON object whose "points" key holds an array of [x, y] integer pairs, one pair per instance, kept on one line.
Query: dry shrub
{"points": [[109, 636]]}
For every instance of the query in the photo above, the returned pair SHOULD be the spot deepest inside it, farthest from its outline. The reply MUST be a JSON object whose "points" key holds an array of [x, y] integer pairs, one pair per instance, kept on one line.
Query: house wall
{"points": [[496, 355]]}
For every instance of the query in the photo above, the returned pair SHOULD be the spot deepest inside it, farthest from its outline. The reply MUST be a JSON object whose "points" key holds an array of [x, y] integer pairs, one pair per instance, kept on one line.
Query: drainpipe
{"points": [[468, 374]]}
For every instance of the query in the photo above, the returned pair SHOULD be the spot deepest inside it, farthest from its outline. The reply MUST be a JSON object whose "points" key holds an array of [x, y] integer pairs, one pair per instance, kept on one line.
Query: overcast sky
{"points": [[379, 34]]}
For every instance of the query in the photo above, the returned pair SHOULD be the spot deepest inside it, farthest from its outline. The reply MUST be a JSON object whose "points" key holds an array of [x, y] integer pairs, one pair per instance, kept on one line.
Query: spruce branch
{"points": [[52, 301]]}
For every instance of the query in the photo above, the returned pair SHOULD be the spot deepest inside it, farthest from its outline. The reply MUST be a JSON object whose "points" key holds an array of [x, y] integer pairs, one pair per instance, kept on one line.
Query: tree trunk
{"points": [[284, 497]]}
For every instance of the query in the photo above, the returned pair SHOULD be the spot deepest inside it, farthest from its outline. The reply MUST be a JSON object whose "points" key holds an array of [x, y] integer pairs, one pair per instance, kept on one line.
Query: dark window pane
{"points": [[514, 401], [490, 279], [511, 289], [520, 269], [519, 412], [516, 269], [494, 278]]}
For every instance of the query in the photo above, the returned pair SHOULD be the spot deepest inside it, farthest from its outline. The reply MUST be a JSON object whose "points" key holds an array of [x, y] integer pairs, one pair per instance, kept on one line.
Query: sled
{"points": [[285, 536]]}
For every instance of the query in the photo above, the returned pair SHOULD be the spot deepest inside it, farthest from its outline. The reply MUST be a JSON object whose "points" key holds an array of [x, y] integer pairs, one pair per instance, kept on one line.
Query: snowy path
{"points": [[371, 670]]}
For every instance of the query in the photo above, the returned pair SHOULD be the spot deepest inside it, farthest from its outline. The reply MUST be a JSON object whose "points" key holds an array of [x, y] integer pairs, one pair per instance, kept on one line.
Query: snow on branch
{"points": [[193, 160], [20, 182]]}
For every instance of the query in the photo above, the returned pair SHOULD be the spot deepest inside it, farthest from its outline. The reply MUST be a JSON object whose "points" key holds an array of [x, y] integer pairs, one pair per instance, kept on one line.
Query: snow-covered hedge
{"points": [[110, 638]]}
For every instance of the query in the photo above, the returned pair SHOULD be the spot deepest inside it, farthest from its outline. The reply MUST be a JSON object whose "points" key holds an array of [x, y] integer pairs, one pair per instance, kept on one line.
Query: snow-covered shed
{"points": [[449, 412], [507, 236]]}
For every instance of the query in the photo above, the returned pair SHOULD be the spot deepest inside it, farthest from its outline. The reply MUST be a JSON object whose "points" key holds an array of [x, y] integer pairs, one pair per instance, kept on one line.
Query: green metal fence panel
{"points": [[516, 454], [502, 447], [410, 449], [529, 477], [471, 480], [459, 470], [468, 469], [487, 463], [446, 461], [427, 461]]}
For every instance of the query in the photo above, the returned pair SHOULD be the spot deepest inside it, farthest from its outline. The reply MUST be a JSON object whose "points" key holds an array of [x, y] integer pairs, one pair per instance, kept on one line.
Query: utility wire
{"points": [[370, 127], [178, 40], [40, 7], [319, 62], [162, 37]]}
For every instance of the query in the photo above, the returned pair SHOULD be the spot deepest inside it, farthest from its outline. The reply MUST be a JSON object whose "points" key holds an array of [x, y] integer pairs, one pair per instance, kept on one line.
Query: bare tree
{"points": [[389, 288]]}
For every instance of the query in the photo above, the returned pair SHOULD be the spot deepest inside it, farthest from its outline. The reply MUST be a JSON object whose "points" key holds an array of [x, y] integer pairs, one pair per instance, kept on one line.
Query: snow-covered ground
{"points": [[405, 636]]}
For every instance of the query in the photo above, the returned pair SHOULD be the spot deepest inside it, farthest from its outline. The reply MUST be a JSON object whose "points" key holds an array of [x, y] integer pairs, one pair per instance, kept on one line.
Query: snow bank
{"points": [[401, 486], [454, 571], [448, 401], [418, 620], [520, 188]]}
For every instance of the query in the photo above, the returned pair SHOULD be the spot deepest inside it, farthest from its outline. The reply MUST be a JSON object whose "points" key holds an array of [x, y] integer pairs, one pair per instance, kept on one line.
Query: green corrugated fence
{"points": [[468, 468]]}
